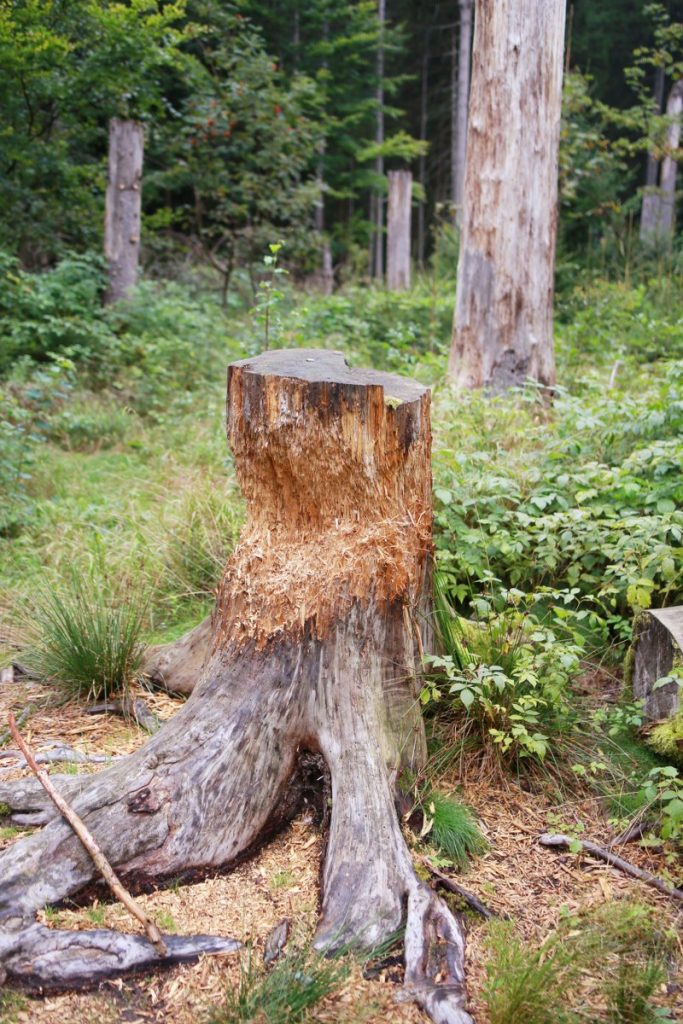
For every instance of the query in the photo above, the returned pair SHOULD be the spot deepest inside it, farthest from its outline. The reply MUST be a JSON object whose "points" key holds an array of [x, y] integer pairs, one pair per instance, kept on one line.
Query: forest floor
{"points": [[517, 877]]}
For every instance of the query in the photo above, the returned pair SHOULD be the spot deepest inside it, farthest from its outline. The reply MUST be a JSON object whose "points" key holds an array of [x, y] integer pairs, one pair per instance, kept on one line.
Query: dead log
{"points": [[656, 648], [315, 649], [123, 206]]}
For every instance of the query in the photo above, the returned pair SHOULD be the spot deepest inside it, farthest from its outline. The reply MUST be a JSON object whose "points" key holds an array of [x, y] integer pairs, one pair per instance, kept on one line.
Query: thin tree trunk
{"points": [[504, 307], [649, 213], [464, 61], [398, 230], [122, 220], [315, 650], [379, 139], [667, 205], [454, 123]]}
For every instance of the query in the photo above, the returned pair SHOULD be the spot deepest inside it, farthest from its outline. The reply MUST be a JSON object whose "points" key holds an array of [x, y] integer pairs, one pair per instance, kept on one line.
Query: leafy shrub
{"points": [[85, 638], [283, 995], [58, 311], [507, 674], [452, 829], [89, 425]]}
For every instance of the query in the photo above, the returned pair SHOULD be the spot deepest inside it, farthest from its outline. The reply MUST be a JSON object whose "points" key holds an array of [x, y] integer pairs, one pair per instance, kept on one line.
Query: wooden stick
{"points": [[470, 899], [564, 842], [88, 841]]}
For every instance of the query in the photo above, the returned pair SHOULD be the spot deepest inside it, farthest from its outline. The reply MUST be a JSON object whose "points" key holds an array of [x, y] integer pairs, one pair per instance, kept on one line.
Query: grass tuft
{"points": [[283, 995], [87, 639], [454, 830]]}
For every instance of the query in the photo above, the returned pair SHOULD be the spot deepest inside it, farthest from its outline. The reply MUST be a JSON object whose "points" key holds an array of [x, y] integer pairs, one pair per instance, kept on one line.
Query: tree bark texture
{"points": [[122, 220], [657, 647], [503, 317], [314, 649], [667, 205], [650, 207], [398, 230], [464, 63]]}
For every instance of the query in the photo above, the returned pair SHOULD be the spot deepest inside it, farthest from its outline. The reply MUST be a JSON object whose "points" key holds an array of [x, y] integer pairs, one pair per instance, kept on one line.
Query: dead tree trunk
{"points": [[650, 209], [398, 230], [464, 54], [503, 329], [315, 648], [122, 208], [667, 204]]}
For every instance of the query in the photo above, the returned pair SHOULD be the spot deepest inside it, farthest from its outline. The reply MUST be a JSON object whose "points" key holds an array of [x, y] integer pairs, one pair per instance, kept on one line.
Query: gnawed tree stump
{"points": [[315, 649]]}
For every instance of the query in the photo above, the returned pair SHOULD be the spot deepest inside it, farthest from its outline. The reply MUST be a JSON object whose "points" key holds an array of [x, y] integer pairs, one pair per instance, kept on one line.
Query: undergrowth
{"points": [[450, 826], [282, 995]]}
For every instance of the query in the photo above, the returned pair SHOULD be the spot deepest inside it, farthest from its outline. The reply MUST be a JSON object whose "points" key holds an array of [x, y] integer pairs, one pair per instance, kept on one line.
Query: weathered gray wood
{"points": [[315, 648], [177, 666], [667, 205], [657, 644], [123, 204], [503, 327], [461, 105], [398, 230]]}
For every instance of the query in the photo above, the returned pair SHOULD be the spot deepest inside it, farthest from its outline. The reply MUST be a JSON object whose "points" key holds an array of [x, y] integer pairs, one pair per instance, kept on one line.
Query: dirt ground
{"points": [[516, 877]]}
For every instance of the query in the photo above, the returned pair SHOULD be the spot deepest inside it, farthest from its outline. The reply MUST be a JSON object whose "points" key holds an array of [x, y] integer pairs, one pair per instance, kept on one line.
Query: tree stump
{"points": [[315, 648], [657, 647]]}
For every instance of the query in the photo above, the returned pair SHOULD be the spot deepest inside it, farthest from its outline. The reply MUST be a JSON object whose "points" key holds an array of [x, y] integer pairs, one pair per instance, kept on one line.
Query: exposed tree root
{"points": [[314, 649]]}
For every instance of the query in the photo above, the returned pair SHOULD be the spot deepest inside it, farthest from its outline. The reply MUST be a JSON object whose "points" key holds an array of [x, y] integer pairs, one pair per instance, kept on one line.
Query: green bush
{"points": [[86, 637], [506, 675]]}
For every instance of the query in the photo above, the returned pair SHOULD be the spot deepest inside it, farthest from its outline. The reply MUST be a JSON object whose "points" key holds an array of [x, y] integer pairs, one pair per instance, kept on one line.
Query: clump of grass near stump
{"points": [[86, 638], [454, 830], [283, 995]]}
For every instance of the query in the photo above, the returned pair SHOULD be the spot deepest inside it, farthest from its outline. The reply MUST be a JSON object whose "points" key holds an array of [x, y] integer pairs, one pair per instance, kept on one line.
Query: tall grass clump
{"points": [[86, 637], [283, 995], [454, 830], [200, 543]]}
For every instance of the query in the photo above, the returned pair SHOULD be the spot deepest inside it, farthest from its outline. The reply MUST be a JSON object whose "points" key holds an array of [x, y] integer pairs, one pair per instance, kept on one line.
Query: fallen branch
{"points": [[60, 753], [90, 844], [136, 710], [470, 899], [565, 842]]}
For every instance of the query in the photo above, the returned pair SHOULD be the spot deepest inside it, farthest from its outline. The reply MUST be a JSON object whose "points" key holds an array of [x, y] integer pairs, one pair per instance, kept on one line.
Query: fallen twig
{"points": [[89, 842], [470, 899], [60, 752], [636, 830], [130, 709], [564, 842]]}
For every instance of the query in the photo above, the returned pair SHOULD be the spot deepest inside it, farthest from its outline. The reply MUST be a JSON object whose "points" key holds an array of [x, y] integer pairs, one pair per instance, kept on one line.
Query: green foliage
{"points": [[67, 69], [524, 983], [506, 673], [452, 829], [199, 545], [527, 982], [283, 995], [269, 297], [86, 638], [12, 1006]]}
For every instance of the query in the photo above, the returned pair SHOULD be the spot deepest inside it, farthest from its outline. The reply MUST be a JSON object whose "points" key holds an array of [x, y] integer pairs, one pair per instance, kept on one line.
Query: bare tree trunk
{"points": [[464, 61], [454, 123], [398, 230], [378, 267], [122, 220], [667, 206], [504, 307], [422, 166], [649, 214], [315, 651]]}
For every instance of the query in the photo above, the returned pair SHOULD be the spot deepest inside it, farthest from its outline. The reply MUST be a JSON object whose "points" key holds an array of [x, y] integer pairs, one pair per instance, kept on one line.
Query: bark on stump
{"points": [[657, 647], [123, 203], [398, 230], [315, 648]]}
